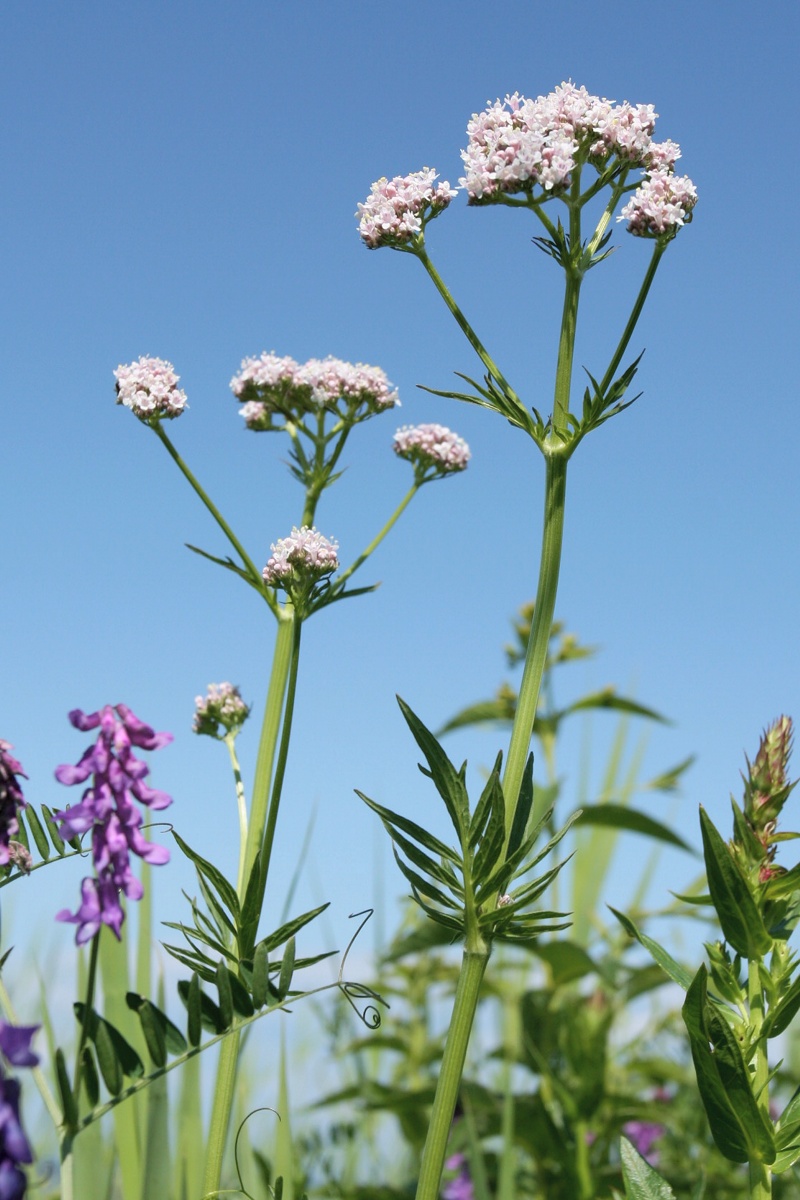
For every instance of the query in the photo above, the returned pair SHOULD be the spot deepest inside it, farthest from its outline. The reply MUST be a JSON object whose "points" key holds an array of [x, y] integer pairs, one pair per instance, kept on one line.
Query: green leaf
{"points": [[567, 961], [169, 1035], [608, 698], [224, 890], [281, 935], [642, 1182], [679, 974], [491, 845], [68, 1104], [619, 816], [242, 1004], [260, 982], [449, 783], [501, 709], [739, 1128], [783, 1013], [430, 866], [52, 829], [107, 1059], [419, 883], [483, 808], [522, 812], [415, 831], [210, 1016], [39, 835], [194, 1011], [113, 1051], [668, 781], [251, 905], [225, 996], [738, 913], [89, 1076], [287, 969]]}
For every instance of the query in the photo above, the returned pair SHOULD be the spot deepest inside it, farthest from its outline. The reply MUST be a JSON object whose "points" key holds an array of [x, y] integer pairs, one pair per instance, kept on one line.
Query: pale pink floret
{"points": [[433, 446], [661, 205], [395, 210], [149, 388], [265, 372], [305, 555], [221, 706], [331, 380]]}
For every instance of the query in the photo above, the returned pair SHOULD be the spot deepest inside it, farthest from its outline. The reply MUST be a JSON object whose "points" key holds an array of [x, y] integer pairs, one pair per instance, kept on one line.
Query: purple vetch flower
{"points": [[11, 800], [107, 809], [301, 560], [643, 1135], [398, 209], [221, 706], [15, 1045], [149, 388], [434, 450], [461, 1187]]}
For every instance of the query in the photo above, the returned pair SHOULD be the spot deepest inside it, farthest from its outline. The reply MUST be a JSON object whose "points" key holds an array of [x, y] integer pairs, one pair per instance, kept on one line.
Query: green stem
{"points": [[473, 966], [636, 312], [582, 1166], [760, 1174], [90, 982], [283, 754], [230, 742], [269, 735], [539, 638], [465, 327], [252, 570], [376, 541]]}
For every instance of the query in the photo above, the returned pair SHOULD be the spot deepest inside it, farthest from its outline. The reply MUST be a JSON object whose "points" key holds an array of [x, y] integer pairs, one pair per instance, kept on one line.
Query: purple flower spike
{"points": [[11, 800], [15, 1043], [107, 808]]}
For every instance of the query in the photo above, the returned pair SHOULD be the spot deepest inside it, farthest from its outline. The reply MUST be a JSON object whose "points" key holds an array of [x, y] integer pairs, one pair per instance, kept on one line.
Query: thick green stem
{"points": [[473, 966], [270, 730], [760, 1174], [539, 639], [283, 754]]}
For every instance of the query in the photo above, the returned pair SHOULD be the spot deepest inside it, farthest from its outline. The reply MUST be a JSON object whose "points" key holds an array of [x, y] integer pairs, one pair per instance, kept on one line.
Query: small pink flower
{"points": [[222, 706], [398, 209], [149, 388], [432, 448], [661, 205], [304, 557], [272, 386]]}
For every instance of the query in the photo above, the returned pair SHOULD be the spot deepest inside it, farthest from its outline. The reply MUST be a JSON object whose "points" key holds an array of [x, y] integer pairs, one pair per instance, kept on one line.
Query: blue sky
{"points": [[181, 181]]}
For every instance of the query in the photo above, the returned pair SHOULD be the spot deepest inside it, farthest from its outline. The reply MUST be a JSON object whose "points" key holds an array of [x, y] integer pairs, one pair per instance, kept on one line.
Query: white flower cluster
{"points": [[270, 385], [305, 556], [432, 446], [394, 211], [663, 203], [221, 706], [149, 388]]}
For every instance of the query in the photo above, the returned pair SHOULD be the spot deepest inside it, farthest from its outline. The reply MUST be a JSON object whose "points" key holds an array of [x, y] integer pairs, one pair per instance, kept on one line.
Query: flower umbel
{"points": [[660, 206], [299, 562], [277, 390], [221, 711], [434, 450], [397, 210], [107, 809], [149, 388], [11, 800]]}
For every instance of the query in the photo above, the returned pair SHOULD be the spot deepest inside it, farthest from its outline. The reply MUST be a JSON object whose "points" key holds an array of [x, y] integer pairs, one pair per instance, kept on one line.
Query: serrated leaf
{"points": [[736, 909], [522, 812], [642, 1182], [483, 808], [491, 846], [287, 969], [620, 816], [447, 781], [214, 876], [415, 831], [419, 883], [430, 866], [260, 981], [739, 1128], [679, 974]]}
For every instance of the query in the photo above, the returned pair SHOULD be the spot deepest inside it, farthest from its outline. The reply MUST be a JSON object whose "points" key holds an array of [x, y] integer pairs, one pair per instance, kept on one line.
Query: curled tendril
{"points": [[370, 1014], [241, 1190]]}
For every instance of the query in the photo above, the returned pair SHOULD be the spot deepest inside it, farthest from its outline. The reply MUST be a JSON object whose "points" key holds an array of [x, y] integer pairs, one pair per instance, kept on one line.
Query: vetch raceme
{"points": [[11, 801], [433, 449], [107, 808], [398, 209], [222, 710], [149, 388], [15, 1149]]}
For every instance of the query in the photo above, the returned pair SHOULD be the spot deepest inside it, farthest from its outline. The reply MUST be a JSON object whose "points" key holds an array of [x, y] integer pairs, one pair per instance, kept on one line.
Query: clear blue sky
{"points": [[180, 180]]}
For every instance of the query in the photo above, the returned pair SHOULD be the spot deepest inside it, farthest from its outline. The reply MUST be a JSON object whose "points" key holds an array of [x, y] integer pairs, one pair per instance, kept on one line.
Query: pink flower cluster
{"points": [[304, 557], [396, 210], [516, 144], [149, 388], [432, 447], [222, 706], [663, 203], [270, 385]]}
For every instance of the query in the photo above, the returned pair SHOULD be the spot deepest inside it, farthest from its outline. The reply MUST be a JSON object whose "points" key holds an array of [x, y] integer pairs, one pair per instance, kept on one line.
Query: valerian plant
{"points": [[561, 152]]}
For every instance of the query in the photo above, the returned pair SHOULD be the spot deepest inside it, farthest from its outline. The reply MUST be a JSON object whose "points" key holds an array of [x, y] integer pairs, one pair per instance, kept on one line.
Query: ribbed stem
{"points": [[760, 1174]]}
